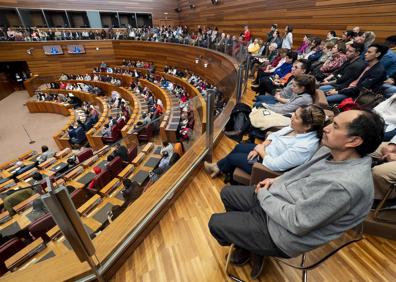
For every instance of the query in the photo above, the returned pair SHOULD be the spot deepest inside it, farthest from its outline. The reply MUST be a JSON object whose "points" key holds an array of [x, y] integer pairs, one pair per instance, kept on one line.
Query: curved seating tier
{"points": [[151, 205], [193, 92], [94, 135]]}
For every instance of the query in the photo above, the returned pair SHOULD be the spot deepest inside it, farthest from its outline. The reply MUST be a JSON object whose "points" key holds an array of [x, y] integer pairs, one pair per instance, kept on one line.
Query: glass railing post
{"points": [[239, 83], [210, 105]]}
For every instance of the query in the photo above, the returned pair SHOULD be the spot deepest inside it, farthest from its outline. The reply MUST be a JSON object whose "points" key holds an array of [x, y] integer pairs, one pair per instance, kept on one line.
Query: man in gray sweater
{"points": [[309, 205]]}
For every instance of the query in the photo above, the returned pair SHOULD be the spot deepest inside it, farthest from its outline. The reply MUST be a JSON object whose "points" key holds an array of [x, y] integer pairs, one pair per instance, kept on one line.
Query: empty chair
{"points": [[84, 155], [145, 134], [115, 166], [41, 226], [101, 181], [121, 123], [79, 197], [7, 250], [132, 151]]}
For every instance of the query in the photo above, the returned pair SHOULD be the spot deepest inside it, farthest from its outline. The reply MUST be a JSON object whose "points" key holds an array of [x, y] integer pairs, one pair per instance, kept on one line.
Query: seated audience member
{"points": [[347, 37], [336, 60], [45, 154], [348, 72], [371, 77], [122, 152], [283, 150], [106, 131], [167, 147], [131, 191], [389, 59], [20, 168], [79, 134], [387, 109], [304, 47], [15, 198], [282, 95], [259, 61], [277, 62], [254, 47], [389, 86], [317, 46], [266, 79], [303, 89], [384, 174], [308, 206], [164, 163]]}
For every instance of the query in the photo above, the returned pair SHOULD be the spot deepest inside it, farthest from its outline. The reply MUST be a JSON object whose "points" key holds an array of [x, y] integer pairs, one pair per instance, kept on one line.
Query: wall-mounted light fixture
{"points": [[30, 51], [203, 60]]}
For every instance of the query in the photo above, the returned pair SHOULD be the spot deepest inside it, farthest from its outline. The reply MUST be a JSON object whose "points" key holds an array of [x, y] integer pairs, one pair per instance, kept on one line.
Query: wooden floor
{"points": [[181, 248]]}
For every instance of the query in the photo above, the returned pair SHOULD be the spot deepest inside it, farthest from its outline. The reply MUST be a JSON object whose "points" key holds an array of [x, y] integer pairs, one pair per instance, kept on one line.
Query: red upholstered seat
{"points": [[7, 250], [101, 180], [132, 151], [79, 197], [84, 155], [145, 134], [115, 166], [115, 135], [41, 226]]}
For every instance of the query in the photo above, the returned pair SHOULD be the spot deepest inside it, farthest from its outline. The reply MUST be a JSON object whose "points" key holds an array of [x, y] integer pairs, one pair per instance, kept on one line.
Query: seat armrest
{"points": [[260, 172]]}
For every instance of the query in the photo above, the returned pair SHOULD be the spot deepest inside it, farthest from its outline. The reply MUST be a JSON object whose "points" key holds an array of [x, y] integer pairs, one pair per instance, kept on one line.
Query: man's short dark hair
{"points": [[304, 64], [333, 33], [292, 55], [391, 40], [380, 49], [359, 47], [370, 127], [44, 148], [349, 33]]}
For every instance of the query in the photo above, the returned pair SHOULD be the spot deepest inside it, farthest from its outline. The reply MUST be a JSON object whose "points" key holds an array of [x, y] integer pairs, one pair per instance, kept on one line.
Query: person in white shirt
{"points": [[283, 150], [387, 110], [287, 41]]}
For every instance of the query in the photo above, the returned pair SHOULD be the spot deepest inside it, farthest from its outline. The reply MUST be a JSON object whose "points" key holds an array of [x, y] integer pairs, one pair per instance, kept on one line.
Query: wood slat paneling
{"points": [[220, 71], [306, 16]]}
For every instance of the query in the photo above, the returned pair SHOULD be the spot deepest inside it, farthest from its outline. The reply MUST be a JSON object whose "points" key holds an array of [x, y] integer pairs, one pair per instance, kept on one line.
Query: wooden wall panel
{"points": [[53, 65], [220, 70], [306, 16], [156, 8]]}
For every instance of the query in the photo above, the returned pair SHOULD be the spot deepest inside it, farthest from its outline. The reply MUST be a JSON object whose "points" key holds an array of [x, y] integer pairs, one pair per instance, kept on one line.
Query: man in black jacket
{"points": [[348, 72], [371, 78]]}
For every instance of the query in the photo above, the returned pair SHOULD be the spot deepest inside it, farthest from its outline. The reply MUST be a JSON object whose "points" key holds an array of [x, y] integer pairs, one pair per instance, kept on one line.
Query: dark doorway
{"points": [[12, 75]]}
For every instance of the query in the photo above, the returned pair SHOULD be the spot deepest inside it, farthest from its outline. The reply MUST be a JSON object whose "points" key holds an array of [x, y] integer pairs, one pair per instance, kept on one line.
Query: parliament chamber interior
{"points": [[198, 140]]}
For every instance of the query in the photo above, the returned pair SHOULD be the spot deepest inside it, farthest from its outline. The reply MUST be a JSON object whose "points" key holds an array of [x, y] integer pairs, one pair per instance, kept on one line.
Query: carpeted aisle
{"points": [[13, 116]]}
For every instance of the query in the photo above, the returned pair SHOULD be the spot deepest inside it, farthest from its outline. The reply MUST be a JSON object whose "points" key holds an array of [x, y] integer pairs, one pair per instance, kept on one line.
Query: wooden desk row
{"points": [[94, 136], [193, 92]]}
